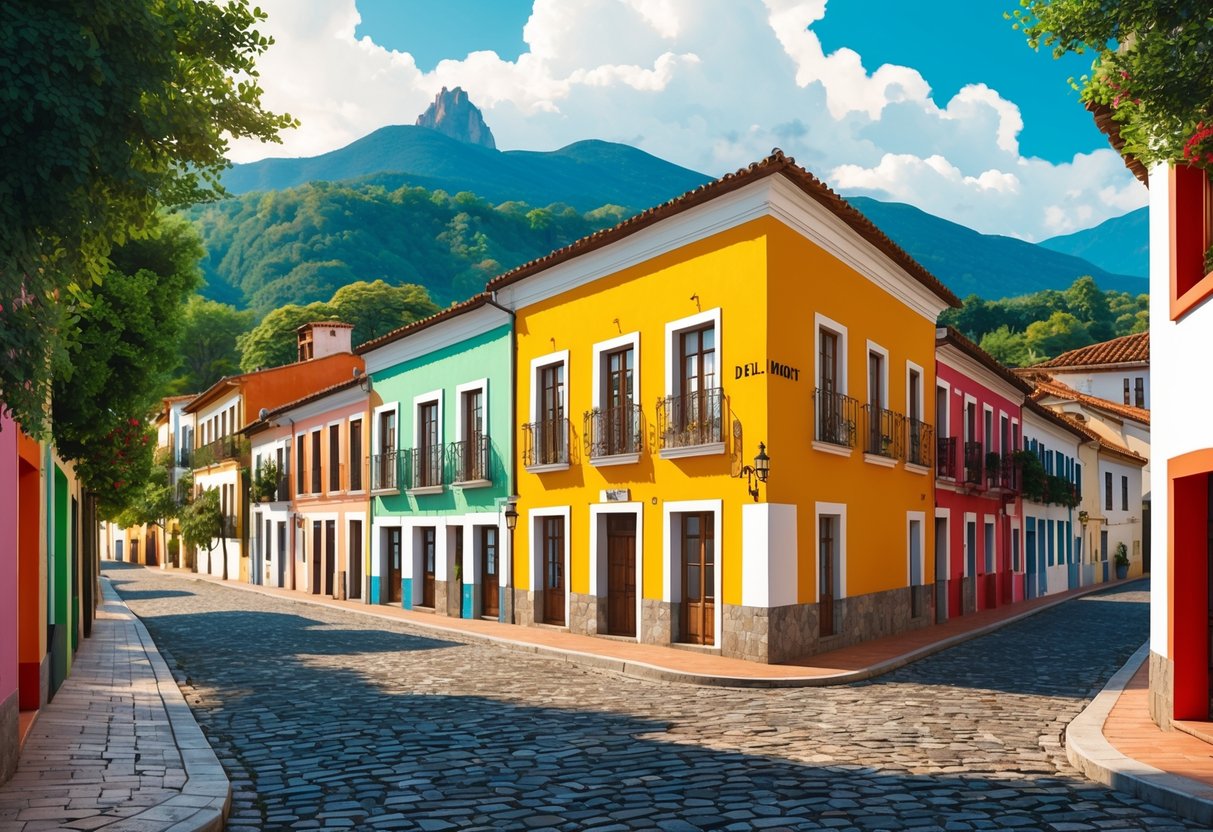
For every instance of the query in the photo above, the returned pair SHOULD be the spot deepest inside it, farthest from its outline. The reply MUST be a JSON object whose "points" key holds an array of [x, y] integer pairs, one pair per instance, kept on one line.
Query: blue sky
{"points": [[948, 111]]}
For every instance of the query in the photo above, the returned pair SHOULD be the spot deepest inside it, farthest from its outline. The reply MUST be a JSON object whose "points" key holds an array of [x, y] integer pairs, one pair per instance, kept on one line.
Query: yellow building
{"points": [[653, 358]]}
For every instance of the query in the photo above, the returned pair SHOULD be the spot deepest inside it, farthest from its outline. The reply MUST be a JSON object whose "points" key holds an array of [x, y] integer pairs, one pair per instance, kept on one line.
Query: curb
{"points": [[657, 673], [1090, 752], [205, 799]]}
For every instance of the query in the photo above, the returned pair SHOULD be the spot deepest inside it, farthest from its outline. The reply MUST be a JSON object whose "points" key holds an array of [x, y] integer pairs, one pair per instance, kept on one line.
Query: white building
{"points": [[1052, 534], [1116, 370]]}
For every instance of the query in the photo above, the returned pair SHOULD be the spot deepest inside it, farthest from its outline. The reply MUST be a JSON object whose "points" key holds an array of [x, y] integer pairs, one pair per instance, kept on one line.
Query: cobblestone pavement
{"points": [[327, 719]]}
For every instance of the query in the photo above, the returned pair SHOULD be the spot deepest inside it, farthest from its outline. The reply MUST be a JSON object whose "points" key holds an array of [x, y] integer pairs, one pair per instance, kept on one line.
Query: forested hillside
{"points": [[301, 245]]}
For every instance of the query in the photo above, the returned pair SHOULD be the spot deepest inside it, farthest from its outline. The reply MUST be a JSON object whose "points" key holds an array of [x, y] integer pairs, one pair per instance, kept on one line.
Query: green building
{"points": [[441, 450]]}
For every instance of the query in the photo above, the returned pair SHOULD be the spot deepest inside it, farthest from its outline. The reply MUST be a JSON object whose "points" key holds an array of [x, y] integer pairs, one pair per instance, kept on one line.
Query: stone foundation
{"points": [[524, 607], [656, 621], [584, 614], [1162, 690], [9, 726], [442, 603]]}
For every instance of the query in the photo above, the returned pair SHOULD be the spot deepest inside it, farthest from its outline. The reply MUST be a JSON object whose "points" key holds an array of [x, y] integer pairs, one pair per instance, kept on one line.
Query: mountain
{"points": [[988, 265], [453, 114], [585, 175], [1121, 244]]}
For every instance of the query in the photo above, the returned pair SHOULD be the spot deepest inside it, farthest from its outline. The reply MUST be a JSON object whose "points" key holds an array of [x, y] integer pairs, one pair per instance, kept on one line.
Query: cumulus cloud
{"points": [[709, 84]]}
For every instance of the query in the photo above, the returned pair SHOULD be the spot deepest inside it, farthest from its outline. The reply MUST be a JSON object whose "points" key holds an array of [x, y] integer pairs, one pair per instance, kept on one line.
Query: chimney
{"points": [[322, 338]]}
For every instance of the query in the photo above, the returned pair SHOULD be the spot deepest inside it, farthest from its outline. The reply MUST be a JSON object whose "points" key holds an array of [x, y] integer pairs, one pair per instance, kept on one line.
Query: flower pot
{"points": [[1122, 571]]}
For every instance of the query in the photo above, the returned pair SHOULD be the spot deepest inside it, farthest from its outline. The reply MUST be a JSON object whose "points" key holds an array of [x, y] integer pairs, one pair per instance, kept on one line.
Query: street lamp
{"points": [[511, 523], [758, 472], [511, 517]]}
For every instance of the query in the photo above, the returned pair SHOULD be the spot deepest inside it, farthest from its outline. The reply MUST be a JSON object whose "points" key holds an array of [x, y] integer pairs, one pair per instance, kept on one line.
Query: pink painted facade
{"points": [[978, 511]]}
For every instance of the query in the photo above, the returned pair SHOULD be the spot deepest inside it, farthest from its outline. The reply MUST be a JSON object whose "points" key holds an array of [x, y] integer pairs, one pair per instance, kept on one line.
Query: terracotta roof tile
{"points": [[1127, 349], [1046, 385], [776, 163], [948, 335], [1102, 113], [1105, 444]]}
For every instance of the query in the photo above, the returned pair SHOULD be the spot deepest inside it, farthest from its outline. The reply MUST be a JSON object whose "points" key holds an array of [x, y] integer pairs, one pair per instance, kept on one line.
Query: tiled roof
{"points": [[211, 393], [259, 424], [948, 335], [776, 163], [1105, 444], [1046, 385], [1054, 417], [474, 302], [1127, 349]]}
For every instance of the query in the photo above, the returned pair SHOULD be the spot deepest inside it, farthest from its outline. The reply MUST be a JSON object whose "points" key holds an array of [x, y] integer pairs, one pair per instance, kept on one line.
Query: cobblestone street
{"points": [[328, 719]]}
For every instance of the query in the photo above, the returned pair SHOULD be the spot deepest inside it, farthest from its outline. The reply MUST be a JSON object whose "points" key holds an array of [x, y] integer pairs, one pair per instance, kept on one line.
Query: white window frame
{"points": [[922, 384], [675, 328], [987, 445], [481, 384], [989, 521], [377, 448], [538, 363], [536, 568], [342, 453], [349, 432], [873, 347], [821, 322], [433, 396], [969, 517], [943, 420], [838, 510], [598, 547], [632, 340]]}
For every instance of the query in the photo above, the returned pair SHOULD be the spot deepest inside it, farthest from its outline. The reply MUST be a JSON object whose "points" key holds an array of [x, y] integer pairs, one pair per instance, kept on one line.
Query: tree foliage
{"points": [[202, 524], [373, 308], [153, 500], [1033, 328], [301, 245], [108, 112], [208, 351], [126, 335], [1153, 66]]}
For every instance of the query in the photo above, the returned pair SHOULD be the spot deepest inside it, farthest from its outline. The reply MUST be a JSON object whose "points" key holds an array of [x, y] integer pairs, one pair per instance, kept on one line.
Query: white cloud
{"points": [[710, 84]]}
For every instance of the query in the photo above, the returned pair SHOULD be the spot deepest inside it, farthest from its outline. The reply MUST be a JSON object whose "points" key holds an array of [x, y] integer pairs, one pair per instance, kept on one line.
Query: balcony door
{"points": [[429, 466], [330, 556], [471, 463], [619, 420], [395, 577], [489, 565], [698, 578], [698, 380], [551, 414], [552, 543], [386, 459]]}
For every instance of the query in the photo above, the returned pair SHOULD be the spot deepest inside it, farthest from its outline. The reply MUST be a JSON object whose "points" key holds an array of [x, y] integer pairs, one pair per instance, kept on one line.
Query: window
{"points": [[1191, 212], [283, 458], [616, 430], [945, 456], [834, 424], [1016, 564], [355, 455], [1107, 490], [1139, 392], [427, 455], [471, 446], [546, 436], [334, 457], [919, 433], [383, 465], [1124, 493], [300, 481], [317, 479], [1127, 391], [990, 552], [694, 414], [1004, 434], [882, 434]]}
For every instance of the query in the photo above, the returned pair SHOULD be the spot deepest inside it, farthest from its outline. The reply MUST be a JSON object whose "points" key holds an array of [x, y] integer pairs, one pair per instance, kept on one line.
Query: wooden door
{"points": [[330, 555], [395, 582], [553, 569], [354, 579], [828, 534], [941, 570], [281, 553], [489, 582], [699, 578], [621, 574], [429, 558], [317, 549]]}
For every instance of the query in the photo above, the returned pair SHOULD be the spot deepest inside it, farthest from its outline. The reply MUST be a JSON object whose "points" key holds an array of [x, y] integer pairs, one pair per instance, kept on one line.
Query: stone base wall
{"points": [[442, 601], [524, 607], [584, 613], [781, 634], [1162, 690], [968, 595], [657, 621], [8, 737]]}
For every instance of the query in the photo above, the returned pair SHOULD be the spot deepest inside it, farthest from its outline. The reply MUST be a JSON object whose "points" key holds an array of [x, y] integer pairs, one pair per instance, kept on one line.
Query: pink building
{"points": [[978, 546]]}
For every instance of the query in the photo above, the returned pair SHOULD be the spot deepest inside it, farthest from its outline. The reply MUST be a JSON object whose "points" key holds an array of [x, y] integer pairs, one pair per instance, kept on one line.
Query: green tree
{"points": [[1153, 66], [1087, 303], [376, 308], [208, 349], [202, 524], [1007, 347], [127, 335], [1060, 332], [273, 342], [153, 501], [109, 111]]}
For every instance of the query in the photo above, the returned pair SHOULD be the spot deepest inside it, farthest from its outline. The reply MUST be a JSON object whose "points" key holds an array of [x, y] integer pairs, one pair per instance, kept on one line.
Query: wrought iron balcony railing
{"points": [[471, 459], [1002, 472], [384, 471], [945, 457], [883, 432], [973, 463], [835, 417], [614, 431], [692, 420], [223, 448], [427, 467], [545, 442], [921, 442]]}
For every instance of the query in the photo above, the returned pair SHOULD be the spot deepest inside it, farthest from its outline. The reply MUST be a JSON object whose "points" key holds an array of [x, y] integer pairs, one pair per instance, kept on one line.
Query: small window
{"points": [[300, 480], [1139, 392], [1127, 391], [1107, 489], [1124, 493], [334, 457], [317, 479], [355, 455]]}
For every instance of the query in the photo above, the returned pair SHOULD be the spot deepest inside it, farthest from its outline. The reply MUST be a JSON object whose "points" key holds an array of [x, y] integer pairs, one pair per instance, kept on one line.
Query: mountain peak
{"points": [[453, 114]]}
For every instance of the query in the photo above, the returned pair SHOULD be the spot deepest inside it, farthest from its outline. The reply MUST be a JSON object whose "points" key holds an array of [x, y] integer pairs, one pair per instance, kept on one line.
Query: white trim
{"points": [[428, 398], [985, 439], [921, 470], [481, 384], [943, 421], [342, 452], [671, 579], [921, 517], [990, 521], [535, 553], [820, 321], [558, 357], [969, 517], [838, 510], [873, 347], [882, 461], [631, 339], [599, 580], [364, 435], [376, 439], [454, 330], [674, 328], [338, 400], [922, 384], [998, 419], [713, 449], [964, 418], [831, 448]]}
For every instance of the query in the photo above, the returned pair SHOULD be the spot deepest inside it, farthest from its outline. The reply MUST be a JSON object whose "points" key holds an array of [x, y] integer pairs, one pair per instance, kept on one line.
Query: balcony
{"points": [[973, 463], [614, 434], [427, 469], [921, 443], [545, 445], [184, 458], [221, 450], [692, 424], [1002, 473], [836, 415], [883, 432], [384, 471], [945, 458], [470, 458]]}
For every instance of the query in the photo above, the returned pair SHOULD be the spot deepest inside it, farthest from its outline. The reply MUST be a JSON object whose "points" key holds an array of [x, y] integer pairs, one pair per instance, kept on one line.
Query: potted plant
{"points": [[265, 482], [1121, 560]]}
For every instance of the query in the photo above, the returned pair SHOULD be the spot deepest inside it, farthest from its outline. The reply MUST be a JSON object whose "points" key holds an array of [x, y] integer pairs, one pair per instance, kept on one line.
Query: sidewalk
{"points": [[118, 748], [1115, 742], [673, 664]]}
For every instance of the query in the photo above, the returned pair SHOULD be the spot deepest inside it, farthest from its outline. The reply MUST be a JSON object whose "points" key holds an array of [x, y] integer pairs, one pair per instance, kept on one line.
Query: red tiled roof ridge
{"points": [[1047, 385], [1125, 349], [230, 380], [776, 162]]}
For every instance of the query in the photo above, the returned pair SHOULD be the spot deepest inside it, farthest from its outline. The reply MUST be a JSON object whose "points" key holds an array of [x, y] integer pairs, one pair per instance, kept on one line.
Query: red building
{"points": [[978, 406]]}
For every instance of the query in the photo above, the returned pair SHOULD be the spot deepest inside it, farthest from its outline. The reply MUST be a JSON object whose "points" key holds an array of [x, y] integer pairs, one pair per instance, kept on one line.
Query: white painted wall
{"points": [[768, 555], [1109, 384]]}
